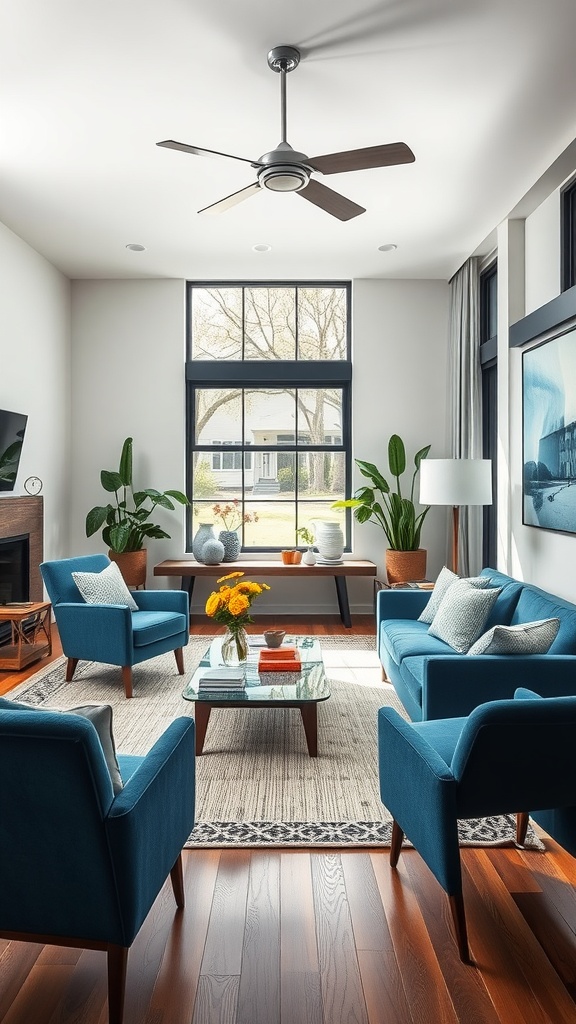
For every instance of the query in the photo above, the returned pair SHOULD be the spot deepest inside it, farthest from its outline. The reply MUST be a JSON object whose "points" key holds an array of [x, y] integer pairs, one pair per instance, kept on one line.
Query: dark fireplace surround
{"points": [[24, 516]]}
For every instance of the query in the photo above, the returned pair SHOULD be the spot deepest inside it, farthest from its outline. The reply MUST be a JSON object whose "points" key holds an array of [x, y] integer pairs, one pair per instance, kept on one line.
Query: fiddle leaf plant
{"points": [[390, 509], [126, 521]]}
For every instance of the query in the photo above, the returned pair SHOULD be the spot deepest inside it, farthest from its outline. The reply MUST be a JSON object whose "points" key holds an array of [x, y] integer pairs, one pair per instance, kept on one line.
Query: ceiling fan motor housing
{"points": [[284, 170]]}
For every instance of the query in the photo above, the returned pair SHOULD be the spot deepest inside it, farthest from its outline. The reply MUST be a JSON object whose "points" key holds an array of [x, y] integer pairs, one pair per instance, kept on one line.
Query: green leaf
{"points": [[119, 537], [96, 517], [396, 455], [178, 496], [110, 481], [125, 470], [370, 470], [421, 455]]}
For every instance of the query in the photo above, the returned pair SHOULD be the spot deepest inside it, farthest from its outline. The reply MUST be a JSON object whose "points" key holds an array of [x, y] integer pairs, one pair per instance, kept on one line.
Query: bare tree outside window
{"points": [[284, 435]]}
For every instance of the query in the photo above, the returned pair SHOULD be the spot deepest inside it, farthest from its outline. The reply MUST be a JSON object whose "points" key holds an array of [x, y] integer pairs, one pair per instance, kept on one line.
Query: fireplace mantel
{"points": [[25, 514]]}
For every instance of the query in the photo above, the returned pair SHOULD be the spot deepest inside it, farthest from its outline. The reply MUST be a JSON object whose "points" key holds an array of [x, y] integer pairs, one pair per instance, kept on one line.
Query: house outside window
{"points": [[268, 384]]}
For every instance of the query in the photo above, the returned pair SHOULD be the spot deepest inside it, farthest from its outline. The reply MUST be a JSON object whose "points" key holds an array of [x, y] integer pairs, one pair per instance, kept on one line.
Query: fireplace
{"points": [[22, 517], [14, 568]]}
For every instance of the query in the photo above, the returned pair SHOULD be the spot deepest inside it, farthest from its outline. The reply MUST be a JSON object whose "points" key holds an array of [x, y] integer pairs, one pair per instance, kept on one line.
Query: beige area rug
{"points": [[256, 784]]}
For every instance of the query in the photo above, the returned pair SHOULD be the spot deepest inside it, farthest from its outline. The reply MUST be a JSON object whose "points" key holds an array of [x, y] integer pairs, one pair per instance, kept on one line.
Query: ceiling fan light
{"points": [[284, 178]]}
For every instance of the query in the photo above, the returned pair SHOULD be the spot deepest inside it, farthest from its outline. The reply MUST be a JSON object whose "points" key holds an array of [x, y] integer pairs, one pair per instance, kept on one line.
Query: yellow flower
{"points": [[230, 576], [238, 604], [213, 604]]}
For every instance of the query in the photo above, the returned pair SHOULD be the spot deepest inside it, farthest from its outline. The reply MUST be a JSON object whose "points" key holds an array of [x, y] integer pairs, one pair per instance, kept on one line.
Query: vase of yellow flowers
{"points": [[232, 518], [231, 606]]}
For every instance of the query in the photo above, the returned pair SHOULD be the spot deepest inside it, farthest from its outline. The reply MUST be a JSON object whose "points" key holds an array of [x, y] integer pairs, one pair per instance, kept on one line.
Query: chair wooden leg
{"points": [[117, 961], [396, 843], [521, 826], [71, 668], [179, 655], [127, 679], [459, 920], [384, 676], [177, 879]]}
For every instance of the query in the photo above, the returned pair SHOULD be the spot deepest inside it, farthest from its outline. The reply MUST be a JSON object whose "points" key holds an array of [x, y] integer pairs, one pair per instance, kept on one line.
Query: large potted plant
{"points": [[126, 520], [394, 512]]}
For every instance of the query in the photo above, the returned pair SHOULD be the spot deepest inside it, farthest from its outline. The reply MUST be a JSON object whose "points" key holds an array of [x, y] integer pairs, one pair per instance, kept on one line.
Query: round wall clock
{"points": [[33, 485]]}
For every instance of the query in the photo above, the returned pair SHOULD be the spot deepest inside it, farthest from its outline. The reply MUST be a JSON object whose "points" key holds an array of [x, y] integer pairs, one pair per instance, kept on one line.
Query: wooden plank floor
{"points": [[326, 937]]}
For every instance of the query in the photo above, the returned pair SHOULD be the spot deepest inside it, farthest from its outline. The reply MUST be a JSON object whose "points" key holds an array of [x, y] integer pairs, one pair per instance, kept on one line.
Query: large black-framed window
{"points": [[268, 387], [568, 235], [489, 379]]}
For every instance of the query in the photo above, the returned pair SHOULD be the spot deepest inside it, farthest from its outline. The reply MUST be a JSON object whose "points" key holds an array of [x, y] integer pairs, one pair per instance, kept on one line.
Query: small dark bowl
{"points": [[274, 637]]}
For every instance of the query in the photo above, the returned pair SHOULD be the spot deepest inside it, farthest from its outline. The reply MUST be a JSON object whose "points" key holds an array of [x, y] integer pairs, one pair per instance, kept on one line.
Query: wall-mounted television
{"points": [[12, 430]]}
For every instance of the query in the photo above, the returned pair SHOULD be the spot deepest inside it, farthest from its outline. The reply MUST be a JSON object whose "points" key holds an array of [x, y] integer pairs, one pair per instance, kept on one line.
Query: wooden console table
{"points": [[188, 570], [31, 634]]}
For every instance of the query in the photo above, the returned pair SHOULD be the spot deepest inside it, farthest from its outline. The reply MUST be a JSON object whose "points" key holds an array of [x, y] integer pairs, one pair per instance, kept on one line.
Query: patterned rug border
{"points": [[496, 831]]}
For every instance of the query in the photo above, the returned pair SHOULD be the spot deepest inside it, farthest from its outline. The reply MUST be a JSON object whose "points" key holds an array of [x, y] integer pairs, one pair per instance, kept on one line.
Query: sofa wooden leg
{"points": [[179, 655], [521, 826], [384, 676], [127, 679], [117, 962], [71, 668], [459, 921], [396, 843], [177, 879]]}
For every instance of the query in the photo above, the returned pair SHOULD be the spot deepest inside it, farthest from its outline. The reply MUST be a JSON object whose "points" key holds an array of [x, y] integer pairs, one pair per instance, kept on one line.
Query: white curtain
{"points": [[466, 400]]}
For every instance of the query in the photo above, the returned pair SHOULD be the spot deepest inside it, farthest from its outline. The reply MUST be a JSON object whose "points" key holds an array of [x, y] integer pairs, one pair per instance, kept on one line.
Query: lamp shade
{"points": [[456, 482]]}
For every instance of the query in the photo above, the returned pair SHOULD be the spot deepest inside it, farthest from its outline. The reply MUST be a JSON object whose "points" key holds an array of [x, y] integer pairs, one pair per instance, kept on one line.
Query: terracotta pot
{"points": [[402, 566], [132, 565]]}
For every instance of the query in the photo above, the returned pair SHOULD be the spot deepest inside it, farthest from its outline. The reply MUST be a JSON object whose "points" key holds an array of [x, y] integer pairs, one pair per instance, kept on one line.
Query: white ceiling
{"points": [[481, 90]]}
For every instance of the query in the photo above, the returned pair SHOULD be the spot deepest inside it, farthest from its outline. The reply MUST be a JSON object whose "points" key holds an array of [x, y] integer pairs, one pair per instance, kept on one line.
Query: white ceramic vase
{"points": [[309, 557], [329, 539]]}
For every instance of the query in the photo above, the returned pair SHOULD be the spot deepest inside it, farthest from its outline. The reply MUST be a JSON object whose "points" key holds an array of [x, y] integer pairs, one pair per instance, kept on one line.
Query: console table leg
{"points": [[201, 716], [309, 714], [342, 595], [188, 586]]}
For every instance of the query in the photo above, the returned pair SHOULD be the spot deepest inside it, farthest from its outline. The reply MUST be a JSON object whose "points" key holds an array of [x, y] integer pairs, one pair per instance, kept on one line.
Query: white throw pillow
{"points": [[525, 638], [462, 614], [101, 717], [106, 587], [445, 580]]}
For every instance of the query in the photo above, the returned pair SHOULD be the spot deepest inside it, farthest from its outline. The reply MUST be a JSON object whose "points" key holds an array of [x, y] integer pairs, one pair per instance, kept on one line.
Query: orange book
{"points": [[290, 663], [271, 653]]}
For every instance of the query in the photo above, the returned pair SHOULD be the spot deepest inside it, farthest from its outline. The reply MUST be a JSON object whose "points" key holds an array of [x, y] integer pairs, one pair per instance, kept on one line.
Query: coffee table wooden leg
{"points": [[309, 714], [201, 716]]}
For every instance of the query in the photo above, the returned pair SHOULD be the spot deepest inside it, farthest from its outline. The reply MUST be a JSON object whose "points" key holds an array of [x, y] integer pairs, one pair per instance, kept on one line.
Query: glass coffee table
{"points": [[303, 690]]}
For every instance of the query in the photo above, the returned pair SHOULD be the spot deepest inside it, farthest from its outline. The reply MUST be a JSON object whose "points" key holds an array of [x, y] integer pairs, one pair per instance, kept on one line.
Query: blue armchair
{"points": [[506, 756], [111, 633], [80, 866]]}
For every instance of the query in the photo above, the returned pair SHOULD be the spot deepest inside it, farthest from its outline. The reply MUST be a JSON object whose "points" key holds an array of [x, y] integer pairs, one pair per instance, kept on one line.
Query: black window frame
{"points": [[305, 374], [489, 384], [568, 236]]}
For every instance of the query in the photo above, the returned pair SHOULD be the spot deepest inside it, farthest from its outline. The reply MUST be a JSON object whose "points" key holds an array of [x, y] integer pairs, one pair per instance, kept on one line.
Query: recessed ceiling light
{"points": [[261, 247], [387, 247], [136, 247]]}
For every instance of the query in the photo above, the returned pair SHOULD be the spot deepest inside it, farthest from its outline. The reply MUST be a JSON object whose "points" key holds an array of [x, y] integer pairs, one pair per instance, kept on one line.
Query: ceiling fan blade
{"points": [[197, 151], [361, 159], [229, 201], [330, 201]]}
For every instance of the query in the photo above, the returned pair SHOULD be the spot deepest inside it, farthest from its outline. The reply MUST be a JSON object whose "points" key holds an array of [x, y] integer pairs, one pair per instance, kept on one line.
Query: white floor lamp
{"points": [[455, 482]]}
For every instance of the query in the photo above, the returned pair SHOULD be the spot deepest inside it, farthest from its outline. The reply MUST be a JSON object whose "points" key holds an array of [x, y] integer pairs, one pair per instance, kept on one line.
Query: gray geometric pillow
{"points": [[462, 615], [106, 587], [445, 580], [101, 717], [526, 638]]}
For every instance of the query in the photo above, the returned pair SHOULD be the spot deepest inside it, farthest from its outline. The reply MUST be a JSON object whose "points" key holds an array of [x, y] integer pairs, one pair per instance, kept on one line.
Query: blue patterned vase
{"points": [[231, 542]]}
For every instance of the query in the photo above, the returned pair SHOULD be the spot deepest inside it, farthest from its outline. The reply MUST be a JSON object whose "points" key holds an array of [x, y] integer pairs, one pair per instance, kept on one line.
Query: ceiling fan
{"points": [[285, 170]]}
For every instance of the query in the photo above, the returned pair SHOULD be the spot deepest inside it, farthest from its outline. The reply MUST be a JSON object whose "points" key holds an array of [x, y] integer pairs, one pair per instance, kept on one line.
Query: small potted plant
{"points": [[309, 556], [126, 521]]}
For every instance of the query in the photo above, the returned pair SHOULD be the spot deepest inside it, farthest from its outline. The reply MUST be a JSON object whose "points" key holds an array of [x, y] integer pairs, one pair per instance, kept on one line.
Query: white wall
{"points": [[35, 375], [128, 379]]}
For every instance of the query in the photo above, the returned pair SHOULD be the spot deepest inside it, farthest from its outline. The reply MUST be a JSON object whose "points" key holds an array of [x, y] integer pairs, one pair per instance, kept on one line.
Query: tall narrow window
{"points": [[568, 236], [268, 406], [489, 369]]}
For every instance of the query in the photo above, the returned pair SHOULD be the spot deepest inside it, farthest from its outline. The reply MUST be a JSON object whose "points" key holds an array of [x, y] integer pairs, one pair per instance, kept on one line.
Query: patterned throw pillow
{"points": [[445, 580], [101, 717], [525, 638], [463, 614], [106, 587]]}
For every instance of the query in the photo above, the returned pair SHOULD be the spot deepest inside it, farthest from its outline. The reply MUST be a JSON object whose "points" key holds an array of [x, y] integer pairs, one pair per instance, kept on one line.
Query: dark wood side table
{"points": [[31, 634]]}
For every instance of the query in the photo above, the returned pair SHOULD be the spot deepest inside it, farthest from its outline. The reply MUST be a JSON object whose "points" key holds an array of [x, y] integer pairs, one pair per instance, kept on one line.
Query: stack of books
{"points": [[279, 659], [222, 680]]}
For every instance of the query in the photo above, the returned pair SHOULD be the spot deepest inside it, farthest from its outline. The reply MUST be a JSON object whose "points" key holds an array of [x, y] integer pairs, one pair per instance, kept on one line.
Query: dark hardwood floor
{"points": [[325, 937]]}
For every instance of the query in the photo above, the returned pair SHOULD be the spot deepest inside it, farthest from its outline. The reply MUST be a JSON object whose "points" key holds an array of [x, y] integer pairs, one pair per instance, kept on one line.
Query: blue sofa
{"points": [[433, 681]]}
